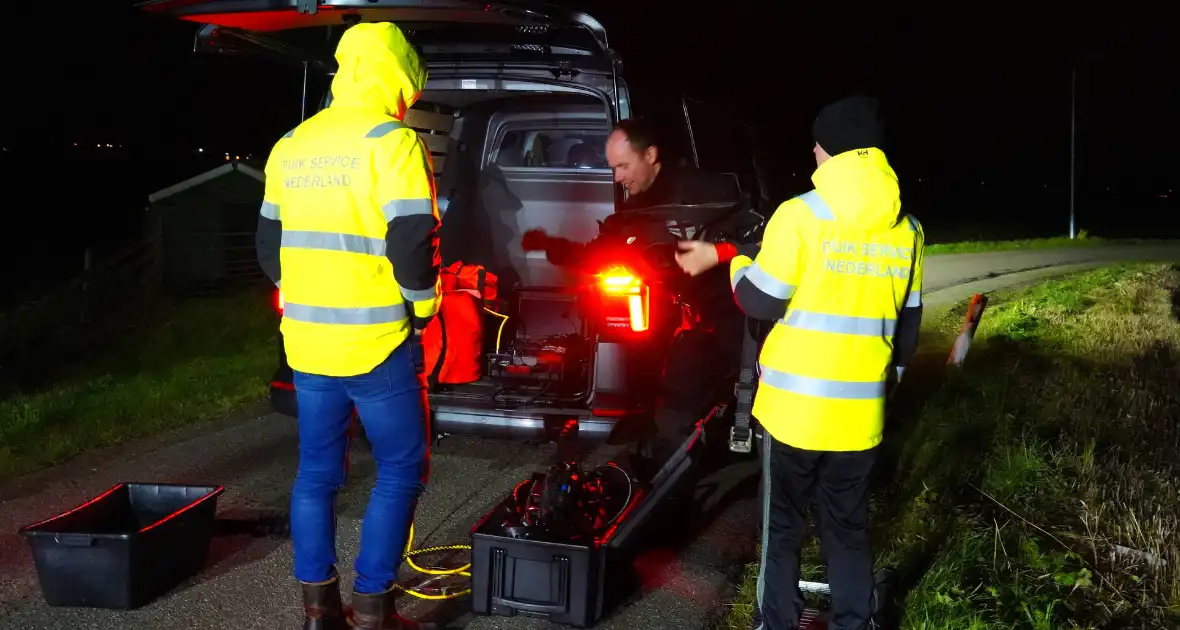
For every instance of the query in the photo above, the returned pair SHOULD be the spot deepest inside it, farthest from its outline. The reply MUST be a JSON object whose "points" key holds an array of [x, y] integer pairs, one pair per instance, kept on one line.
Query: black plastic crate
{"points": [[561, 582], [125, 547]]}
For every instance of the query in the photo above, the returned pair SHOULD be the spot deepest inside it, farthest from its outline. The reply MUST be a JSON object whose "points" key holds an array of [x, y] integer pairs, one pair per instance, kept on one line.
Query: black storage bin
{"points": [[125, 547], [561, 582]]}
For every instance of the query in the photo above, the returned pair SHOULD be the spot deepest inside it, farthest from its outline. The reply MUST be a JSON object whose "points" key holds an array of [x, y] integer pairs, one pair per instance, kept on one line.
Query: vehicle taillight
{"points": [[279, 301], [622, 288]]}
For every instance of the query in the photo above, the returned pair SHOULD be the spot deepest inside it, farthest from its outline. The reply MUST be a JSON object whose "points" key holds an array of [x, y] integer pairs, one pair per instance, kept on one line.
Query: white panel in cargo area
{"points": [[439, 162], [429, 121], [434, 128], [435, 142]]}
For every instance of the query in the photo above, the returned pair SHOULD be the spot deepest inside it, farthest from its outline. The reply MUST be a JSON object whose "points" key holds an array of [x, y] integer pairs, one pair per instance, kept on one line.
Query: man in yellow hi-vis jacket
{"points": [[840, 274], [348, 226]]}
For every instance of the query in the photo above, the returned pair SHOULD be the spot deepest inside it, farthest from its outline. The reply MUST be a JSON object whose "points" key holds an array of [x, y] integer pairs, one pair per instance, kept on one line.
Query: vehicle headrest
{"points": [[581, 154]]}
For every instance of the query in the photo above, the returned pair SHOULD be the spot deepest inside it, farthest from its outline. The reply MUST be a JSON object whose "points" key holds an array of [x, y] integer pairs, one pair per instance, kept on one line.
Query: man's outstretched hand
{"points": [[696, 257], [534, 241]]}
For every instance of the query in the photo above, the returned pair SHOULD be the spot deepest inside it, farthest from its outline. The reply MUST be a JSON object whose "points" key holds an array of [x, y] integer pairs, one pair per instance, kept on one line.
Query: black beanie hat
{"points": [[849, 123]]}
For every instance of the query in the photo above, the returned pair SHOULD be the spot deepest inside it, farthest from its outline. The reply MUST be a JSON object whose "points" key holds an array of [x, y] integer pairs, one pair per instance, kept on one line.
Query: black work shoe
{"points": [[376, 611], [322, 608]]}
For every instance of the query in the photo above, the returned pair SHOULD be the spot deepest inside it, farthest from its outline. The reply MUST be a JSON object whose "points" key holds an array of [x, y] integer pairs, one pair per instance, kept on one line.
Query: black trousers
{"points": [[839, 484], [701, 368]]}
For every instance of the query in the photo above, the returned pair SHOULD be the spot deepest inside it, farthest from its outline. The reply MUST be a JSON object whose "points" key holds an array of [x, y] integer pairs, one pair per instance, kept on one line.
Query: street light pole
{"points": [[1073, 133]]}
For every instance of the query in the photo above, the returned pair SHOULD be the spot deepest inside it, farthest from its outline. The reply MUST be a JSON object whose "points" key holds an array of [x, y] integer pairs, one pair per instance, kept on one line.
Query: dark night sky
{"points": [[974, 94], [965, 91]]}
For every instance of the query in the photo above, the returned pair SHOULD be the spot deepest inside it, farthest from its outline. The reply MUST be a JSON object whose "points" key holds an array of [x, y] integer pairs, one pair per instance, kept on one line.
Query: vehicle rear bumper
{"points": [[543, 424], [282, 399], [532, 424], [282, 387]]}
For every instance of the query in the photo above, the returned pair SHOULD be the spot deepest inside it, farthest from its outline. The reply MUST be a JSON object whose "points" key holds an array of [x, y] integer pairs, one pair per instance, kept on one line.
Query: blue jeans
{"points": [[390, 401]]}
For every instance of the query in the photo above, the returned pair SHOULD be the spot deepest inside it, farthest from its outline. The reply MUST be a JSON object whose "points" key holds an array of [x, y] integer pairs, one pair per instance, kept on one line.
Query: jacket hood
{"points": [[377, 69], [860, 188]]}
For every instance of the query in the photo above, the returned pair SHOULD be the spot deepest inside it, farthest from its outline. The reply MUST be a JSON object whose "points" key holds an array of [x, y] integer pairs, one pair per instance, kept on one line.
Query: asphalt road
{"points": [[247, 582], [949, 278]]}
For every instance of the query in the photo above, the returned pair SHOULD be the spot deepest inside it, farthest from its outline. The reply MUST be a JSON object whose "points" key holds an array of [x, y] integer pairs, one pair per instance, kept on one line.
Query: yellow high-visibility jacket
{"points": [[353, 189], [839, 267]]}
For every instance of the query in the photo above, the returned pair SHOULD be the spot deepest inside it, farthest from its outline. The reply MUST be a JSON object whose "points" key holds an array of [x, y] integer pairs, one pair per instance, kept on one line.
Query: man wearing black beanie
{"points": [[847, 124], [850, 123], [840, 274]]}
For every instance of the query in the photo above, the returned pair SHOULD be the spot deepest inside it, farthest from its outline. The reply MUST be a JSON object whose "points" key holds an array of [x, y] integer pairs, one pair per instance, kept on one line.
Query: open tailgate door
{"points": [[442, 29]]}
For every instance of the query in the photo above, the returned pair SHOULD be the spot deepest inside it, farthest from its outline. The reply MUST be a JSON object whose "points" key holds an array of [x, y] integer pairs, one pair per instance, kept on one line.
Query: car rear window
{"points": [[553, 148]]}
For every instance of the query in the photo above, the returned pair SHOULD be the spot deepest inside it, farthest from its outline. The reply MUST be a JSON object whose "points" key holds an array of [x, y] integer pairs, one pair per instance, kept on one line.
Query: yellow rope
{"points": [[500, 333], [464, 571]]}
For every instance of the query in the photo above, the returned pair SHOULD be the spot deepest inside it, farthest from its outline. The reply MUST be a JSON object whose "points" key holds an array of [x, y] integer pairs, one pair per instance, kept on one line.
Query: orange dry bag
{"points": [[453, 341], [461, 277]]}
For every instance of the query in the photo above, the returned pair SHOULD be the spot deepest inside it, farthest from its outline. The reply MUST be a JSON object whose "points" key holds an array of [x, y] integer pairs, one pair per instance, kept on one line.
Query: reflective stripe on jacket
{"points": [[353, 189], [838, 266]]}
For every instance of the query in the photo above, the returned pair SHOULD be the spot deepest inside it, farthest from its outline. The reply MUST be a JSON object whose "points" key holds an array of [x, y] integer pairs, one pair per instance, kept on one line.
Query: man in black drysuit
{"points": [[702, 362]]}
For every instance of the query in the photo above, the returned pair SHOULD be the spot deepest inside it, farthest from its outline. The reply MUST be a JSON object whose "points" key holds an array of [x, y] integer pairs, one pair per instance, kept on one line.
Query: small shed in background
{"points": [[204, 229]]}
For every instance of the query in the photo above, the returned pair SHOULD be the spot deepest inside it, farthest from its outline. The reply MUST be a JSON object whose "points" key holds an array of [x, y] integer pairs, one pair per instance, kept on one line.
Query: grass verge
{"points": [[1037, 486], [203, 358], [974, 247]]}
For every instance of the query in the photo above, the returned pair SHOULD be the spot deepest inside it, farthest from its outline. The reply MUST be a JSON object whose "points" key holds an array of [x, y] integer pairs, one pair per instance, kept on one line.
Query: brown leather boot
{"points": [[376, 612], [322, 607]]}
